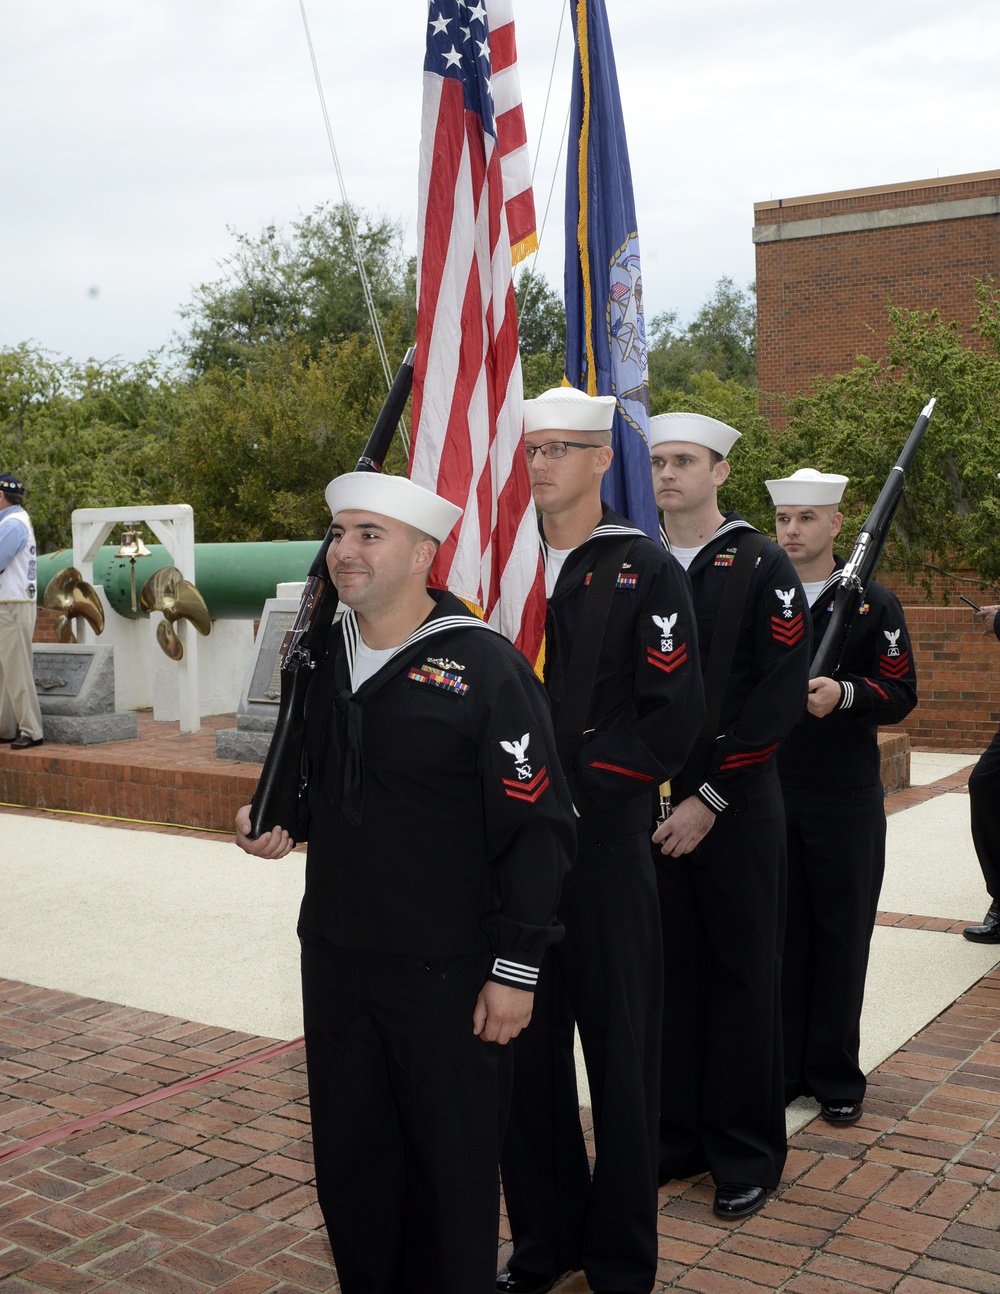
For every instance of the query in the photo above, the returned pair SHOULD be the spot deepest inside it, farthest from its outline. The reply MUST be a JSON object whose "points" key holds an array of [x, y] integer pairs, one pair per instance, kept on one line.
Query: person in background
{"points": [[18, 608], [984, 810], [829, 768]]}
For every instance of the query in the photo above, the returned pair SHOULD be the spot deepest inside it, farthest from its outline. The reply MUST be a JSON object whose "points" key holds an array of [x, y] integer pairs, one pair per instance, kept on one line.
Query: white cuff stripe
{"points": [[714, 799], [847, 700], [527, 975]]}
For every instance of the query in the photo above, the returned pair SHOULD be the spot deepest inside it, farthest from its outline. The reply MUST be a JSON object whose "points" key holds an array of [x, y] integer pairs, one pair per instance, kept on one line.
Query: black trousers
{"points": [[984, 810], [406, 1118], [606, 976], [836, 861], [722, 908]]}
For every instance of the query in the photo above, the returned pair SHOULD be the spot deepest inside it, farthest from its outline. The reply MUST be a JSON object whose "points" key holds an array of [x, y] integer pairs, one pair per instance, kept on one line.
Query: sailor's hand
{"points": [[275, 843], [824, 696], [985, 618], [685, 829], [501, 1012]]}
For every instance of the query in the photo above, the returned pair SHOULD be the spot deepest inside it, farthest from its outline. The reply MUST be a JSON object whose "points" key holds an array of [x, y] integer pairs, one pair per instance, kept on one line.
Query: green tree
{"points": [[858, 422], [86, 435], [720, 339], [257, 447], [276, 286], [541, 326]]}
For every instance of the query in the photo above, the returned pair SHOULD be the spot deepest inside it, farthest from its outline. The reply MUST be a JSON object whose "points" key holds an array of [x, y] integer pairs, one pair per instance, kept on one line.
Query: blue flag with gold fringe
{"points": [[605, 327]]}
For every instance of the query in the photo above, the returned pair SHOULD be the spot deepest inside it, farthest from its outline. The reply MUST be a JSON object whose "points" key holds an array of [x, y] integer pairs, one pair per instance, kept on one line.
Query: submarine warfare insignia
{"points": [[440, 674]]}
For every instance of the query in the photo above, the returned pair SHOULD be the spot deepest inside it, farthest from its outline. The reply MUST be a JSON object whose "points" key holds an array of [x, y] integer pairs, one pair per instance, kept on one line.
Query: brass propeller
{"points": [[168, 591], [69, 593]]}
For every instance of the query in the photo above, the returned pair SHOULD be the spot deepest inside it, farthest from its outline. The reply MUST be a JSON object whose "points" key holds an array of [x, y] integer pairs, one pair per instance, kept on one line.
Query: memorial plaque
{"points": [[265, 682], [60, 673]]}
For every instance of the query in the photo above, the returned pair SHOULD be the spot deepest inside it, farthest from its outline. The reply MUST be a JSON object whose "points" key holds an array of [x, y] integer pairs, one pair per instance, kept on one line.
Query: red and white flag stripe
{"points": [[512, 135], [467, 395]]}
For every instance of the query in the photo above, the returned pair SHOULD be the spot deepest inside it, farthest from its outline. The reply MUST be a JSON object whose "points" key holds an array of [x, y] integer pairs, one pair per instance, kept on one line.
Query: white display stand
{"points": [[137, 654]]}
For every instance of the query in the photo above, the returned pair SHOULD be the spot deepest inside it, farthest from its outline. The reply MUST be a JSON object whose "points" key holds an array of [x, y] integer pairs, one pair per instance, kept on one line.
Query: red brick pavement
{"points": [[211, 1189]]}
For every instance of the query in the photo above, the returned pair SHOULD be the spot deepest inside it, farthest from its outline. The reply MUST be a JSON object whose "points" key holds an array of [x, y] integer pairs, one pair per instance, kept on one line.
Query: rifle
{"points": [[860, 569], [278, 797]]}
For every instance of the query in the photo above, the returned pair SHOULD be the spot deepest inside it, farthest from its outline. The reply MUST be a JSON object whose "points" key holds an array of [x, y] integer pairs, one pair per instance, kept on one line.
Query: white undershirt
{"points": [[555, 559], [368, 661], [813, 589], [685, 555]]}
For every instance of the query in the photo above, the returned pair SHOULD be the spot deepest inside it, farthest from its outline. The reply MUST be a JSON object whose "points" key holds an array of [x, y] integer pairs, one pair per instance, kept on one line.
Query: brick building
{"points": [[827, 263]]}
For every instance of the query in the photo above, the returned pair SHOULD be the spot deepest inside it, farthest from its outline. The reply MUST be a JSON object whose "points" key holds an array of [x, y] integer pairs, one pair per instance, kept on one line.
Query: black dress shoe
{"points": [[5, 741], [514, 1280], [841, 1111], [737, 1200], [24, 742], [989, 931]]}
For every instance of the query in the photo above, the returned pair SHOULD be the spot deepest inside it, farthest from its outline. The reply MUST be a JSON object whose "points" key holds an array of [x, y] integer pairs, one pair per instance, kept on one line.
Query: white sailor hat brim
{"points": [[807, 488], [565, 409], [692, 429], [395, 497]]}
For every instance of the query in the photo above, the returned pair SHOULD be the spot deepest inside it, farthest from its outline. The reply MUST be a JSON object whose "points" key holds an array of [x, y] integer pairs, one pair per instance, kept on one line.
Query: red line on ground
{"points": [[150, 1098]]}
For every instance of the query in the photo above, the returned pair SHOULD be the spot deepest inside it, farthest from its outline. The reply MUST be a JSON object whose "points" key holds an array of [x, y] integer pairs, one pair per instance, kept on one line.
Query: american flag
{"points": [[467, 395], [515, 160]]}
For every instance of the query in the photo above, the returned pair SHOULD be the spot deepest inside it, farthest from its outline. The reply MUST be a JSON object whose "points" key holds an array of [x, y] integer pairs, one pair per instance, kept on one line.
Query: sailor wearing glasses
{"points": [[622, 675]]}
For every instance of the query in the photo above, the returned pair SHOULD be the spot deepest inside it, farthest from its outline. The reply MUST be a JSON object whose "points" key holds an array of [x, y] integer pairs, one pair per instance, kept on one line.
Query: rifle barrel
{"points": [[278, 794]]}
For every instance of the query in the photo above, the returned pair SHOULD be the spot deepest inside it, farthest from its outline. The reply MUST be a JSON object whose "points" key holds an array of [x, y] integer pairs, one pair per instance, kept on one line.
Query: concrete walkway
{"points": [[132, 959]]}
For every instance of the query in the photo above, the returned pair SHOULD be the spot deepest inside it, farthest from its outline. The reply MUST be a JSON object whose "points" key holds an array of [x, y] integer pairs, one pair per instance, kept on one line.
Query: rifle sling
{"points": [[581, 671], [719, 665]]}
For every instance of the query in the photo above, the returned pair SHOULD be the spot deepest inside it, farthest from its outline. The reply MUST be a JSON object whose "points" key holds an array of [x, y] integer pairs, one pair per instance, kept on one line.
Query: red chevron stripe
{"points": [[529, 799], [894, 666], [625, 772], [747, 757], [667, 663], [875, 687], [788, 632], [525, 786]]}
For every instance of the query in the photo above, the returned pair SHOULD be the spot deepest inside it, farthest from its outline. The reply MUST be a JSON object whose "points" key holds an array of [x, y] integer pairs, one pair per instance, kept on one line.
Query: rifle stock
{"points": [[860, 568], [279, 795]]}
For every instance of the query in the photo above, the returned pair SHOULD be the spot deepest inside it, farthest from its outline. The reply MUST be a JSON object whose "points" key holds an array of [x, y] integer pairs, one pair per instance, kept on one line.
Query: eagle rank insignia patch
{"points": [[528, 785], [441, 674], [893, 663], [788, 628], [670, 655]]}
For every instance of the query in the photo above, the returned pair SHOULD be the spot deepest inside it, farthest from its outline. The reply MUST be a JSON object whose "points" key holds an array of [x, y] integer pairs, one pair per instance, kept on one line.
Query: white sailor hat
{"points": [[693, 429], [396, 497], [566, 409], [807, 488]]}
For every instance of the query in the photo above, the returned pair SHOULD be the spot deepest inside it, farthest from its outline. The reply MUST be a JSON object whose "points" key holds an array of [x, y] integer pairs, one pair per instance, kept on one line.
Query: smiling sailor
{"points": [[439, 831]]}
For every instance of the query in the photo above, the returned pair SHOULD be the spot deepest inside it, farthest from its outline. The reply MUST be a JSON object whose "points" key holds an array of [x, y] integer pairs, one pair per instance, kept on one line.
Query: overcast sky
{"points": [[136, 131]]}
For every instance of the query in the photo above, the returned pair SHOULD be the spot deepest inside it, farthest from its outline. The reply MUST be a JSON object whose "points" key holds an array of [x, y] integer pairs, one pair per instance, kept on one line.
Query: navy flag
{"points": [[605, 327]]}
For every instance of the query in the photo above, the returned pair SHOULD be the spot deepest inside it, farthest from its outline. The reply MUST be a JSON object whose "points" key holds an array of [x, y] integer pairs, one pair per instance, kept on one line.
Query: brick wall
{"points": [[826, 264], [958, 666], [45, 626], [958, 679]]}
